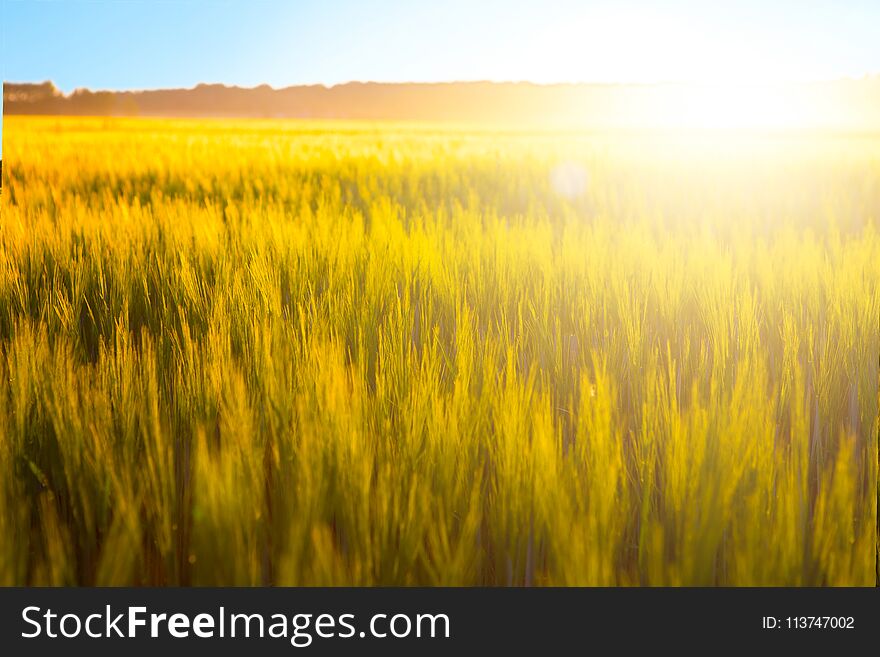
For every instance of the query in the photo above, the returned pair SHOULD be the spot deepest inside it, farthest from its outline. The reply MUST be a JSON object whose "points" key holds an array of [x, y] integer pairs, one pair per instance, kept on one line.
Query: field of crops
{"points": [[291, 353]]}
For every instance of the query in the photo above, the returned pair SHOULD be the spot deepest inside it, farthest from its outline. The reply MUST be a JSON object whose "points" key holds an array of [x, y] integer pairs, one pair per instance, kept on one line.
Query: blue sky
{"points": [[134, 44]]}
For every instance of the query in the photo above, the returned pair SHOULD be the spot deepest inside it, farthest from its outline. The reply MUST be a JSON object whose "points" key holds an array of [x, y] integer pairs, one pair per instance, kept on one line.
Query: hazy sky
{"points": [[133, 44]]}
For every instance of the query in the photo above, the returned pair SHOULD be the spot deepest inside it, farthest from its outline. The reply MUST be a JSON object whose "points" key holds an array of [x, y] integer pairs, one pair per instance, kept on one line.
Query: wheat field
{"points": [[306, 353]]}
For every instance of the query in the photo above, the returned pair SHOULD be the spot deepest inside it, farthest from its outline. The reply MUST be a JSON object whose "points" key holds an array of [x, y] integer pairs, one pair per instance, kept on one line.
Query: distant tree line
{"points": [[45, 98], [855, 103]]}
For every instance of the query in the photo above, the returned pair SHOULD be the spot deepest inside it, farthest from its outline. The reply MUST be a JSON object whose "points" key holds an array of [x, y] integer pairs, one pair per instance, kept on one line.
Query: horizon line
{"points": [[865, 77]]}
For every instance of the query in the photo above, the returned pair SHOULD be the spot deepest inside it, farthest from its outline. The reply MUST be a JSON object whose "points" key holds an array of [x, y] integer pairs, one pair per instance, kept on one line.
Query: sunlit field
{"points": [[253, 353]]}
